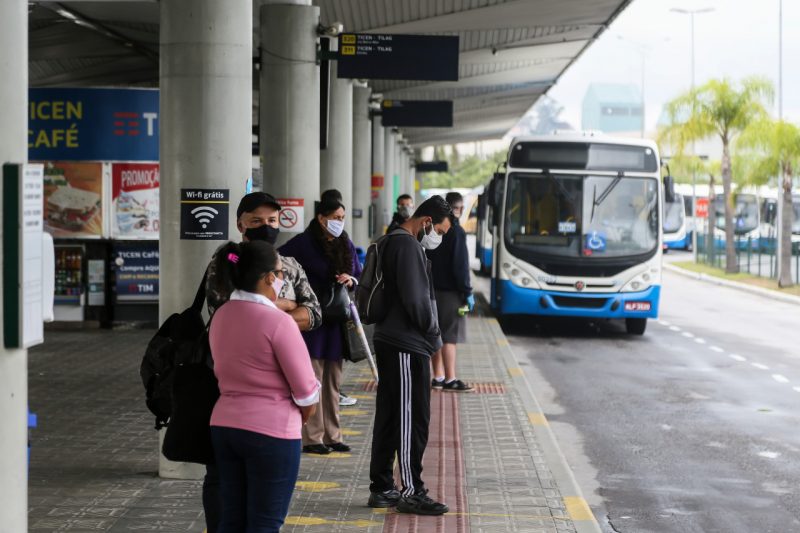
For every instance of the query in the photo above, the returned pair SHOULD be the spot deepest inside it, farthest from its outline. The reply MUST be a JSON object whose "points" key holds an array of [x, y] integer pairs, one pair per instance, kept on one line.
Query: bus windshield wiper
{"points": [[597, 201]]}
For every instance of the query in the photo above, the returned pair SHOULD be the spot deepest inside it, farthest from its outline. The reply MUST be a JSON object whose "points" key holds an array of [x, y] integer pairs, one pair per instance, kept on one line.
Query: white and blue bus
{"points": [[483, 235], [577, 229], [676, 233]]}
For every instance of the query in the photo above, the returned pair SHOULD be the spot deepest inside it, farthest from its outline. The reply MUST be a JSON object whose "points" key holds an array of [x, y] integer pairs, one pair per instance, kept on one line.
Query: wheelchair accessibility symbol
{"points": [[596, 241]]}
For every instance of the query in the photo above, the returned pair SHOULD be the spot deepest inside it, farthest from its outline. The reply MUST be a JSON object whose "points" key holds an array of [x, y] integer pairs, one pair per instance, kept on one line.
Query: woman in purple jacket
{"points": [[328, 256]]}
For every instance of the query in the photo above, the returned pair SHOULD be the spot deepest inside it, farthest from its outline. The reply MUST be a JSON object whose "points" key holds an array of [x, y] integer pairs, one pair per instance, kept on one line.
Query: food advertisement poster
{"points": [[135, 200], [73, 194]]}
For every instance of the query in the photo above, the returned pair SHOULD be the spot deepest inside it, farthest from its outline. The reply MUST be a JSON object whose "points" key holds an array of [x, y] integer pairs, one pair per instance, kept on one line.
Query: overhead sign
{"points": [[92, 124], [292, 215], [204, 214], [398, 57], [417, 113], [136, 271], [23, 197], [432, 166]]}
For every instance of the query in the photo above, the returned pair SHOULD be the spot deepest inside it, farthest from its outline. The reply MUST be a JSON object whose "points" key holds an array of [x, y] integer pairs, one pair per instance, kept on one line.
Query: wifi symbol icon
{"points": [[204, 215]]}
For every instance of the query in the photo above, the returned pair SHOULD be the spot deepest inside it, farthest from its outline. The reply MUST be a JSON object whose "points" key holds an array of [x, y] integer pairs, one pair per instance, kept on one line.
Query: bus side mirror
{"points": [[669, 189]]}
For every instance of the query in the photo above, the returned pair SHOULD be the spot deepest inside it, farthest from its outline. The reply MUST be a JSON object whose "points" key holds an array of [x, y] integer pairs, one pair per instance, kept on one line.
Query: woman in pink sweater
{"points": [[267, 391]]}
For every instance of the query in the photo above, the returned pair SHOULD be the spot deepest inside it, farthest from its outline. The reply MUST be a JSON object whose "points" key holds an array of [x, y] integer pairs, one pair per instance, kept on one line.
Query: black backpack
{"points": [[179, 333], [371, 298]]}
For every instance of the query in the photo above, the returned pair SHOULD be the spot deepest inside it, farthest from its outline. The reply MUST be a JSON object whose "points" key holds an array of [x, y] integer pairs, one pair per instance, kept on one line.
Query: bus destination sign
{"points": [[398, 57]]}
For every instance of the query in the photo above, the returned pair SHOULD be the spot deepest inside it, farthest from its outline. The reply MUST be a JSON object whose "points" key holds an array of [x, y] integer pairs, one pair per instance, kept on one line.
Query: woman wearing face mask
{"points": [[328, 256], [267, 391]]}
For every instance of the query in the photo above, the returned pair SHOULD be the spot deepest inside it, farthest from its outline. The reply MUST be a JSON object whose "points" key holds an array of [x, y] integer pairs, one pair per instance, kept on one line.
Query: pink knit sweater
{"points": [[263, 368]]}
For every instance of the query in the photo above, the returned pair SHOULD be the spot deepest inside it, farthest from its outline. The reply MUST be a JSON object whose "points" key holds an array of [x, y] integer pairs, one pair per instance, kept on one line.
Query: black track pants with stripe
{"points": [[402, 416]]}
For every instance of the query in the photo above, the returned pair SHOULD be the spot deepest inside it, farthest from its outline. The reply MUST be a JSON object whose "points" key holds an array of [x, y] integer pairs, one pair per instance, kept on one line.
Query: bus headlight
{"points": [[639, 282], [519, 277]]}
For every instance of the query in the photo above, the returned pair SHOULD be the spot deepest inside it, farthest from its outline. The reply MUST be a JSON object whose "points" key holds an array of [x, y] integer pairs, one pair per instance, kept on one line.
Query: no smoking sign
{"points": [[292, 216]]}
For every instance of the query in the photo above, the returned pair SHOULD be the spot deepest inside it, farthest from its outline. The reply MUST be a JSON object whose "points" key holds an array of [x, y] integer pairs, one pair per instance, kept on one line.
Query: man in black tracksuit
{"points": [[404, 342]]}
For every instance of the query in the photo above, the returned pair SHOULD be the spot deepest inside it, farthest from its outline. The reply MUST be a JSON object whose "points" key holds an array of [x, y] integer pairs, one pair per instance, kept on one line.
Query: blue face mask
{"points": [[335, 227]]}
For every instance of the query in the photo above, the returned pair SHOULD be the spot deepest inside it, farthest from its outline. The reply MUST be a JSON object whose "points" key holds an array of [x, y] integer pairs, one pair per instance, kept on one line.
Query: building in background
{"points": [[613, 108]]}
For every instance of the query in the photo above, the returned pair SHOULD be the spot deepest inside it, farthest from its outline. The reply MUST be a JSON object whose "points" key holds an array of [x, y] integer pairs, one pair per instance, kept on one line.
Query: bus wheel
{"points": [[635, 326]]}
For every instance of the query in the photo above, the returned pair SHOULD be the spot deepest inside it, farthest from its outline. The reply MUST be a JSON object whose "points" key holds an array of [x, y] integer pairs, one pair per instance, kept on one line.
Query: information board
{"points": [[204, 214], [417, 113], [432, 166], [23, 198], [398, 57]]}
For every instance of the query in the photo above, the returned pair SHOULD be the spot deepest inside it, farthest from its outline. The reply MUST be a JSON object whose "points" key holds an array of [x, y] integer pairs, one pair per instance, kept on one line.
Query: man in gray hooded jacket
{"points": [[404, 342]]}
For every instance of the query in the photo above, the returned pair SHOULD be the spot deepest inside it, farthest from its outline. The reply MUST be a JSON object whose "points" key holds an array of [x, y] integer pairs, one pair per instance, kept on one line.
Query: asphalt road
{"points": [[694, 427]]}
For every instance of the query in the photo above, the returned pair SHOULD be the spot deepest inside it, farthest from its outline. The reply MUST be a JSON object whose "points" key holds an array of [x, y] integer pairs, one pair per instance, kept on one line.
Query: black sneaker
{"points": [[436, 384], [381, 500], [457, 386], [421, 504], [319, 449], [339, 447]]}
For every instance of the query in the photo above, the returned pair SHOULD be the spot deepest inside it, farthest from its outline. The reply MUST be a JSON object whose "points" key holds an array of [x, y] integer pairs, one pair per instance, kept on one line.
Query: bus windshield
{"points": [[674, 214], [745, 215], [582, 216]]}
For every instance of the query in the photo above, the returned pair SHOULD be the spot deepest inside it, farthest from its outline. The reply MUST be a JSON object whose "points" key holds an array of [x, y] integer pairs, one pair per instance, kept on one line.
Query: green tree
{"points": [[467, 172], [718, 108], [774, 147]]}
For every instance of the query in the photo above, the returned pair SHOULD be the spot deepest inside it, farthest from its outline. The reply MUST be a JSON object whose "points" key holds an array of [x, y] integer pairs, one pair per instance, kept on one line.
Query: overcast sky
{"points": [[739, 38]]}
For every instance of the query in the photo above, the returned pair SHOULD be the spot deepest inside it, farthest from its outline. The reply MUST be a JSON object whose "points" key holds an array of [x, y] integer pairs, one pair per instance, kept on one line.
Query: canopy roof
{"points": [[512, 51]]}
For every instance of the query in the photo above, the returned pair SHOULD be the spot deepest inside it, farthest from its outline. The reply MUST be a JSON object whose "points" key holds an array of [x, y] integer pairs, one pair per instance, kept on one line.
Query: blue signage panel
{"points": [[93, 124], [137, 271]]}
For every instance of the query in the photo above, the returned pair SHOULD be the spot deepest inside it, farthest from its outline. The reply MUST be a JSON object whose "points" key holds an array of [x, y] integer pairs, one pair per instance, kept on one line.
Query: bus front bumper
{"points": [[517, 300]]}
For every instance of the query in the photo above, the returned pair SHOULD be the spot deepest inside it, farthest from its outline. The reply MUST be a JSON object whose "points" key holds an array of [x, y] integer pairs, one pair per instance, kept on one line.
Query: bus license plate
{"points": [[637, 306]]}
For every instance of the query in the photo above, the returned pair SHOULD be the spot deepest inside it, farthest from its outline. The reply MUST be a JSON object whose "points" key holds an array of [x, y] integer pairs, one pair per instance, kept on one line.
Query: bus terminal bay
{"points": [[616, 381]]}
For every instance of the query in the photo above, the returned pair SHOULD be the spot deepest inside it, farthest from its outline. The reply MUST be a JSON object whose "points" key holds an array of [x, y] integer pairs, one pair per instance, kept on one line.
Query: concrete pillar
{"points": [[336, 161], [13, 362], [390, 158], [362, 171], [206, 133], [378, 174], [289, 103]]}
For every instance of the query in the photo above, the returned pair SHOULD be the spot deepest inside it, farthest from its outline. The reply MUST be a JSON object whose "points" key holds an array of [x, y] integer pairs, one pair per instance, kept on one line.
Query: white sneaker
{"points": [[346, 401]]}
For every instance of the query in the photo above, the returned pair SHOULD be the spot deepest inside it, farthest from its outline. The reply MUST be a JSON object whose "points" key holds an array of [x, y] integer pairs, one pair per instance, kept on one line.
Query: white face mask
{"points": [[335, 227], [432, 240]]}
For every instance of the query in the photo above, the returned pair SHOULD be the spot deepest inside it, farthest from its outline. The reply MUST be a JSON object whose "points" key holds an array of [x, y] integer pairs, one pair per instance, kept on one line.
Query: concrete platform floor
{"points": [[94, 454]]}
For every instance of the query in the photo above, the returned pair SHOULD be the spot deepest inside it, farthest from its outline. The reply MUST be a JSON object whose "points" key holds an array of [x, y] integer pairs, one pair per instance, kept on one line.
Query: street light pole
{"points": [[692, 13]]}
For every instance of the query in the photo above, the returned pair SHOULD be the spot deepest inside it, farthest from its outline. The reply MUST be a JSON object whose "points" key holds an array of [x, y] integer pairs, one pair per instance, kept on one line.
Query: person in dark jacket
{"points": [[405, 206], [404, 342], [328, 256], [450, 266]]}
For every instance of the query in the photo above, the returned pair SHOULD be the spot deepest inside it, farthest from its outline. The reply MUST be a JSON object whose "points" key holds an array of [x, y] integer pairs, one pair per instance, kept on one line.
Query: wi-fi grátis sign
{"points": [[204, 214]]}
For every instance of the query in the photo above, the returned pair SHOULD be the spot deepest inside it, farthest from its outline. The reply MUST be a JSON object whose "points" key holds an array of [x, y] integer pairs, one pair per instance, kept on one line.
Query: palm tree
{"points": [[775, 148], [718, 108]]}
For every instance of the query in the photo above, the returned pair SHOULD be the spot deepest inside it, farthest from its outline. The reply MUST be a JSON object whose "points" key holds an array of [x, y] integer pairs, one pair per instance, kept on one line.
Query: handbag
{"points": [[335, 304], [354, 349]]}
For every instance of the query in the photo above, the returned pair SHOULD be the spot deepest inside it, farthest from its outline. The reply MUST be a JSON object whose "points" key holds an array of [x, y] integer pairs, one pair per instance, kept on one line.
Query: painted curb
{"points": [[578, 510], [767, 293]]}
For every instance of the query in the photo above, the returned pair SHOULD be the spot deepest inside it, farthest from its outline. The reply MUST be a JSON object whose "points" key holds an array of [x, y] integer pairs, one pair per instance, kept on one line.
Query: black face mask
{"points": [[262, 233]]}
